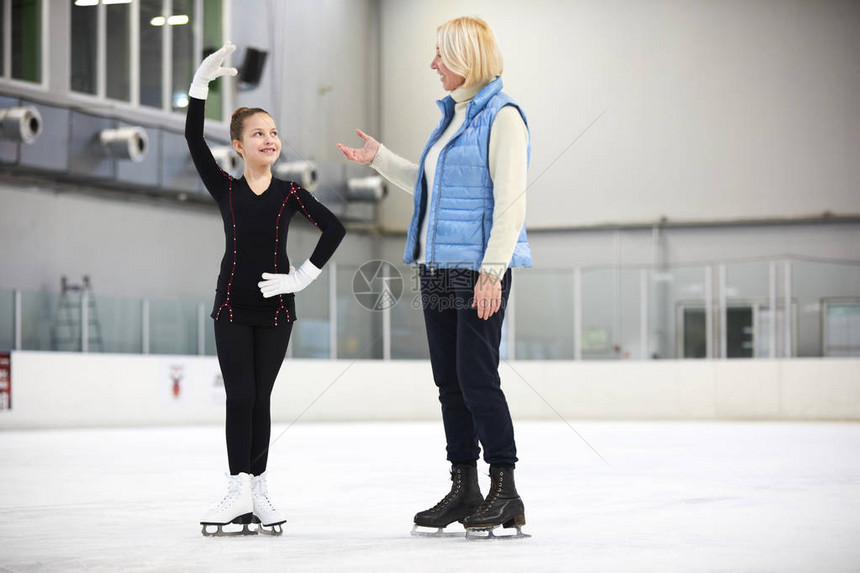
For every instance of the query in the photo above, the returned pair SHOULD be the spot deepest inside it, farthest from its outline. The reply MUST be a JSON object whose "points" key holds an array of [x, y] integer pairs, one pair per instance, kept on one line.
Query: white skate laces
{"points": [[234, 490], [264, 509]]}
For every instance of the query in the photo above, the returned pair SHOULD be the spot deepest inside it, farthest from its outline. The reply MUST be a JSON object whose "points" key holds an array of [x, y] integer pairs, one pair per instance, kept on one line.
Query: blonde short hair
{"points": [[468, 48]]}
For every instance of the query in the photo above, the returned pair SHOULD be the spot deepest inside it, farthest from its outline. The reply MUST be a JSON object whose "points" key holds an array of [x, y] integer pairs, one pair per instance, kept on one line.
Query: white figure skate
{"points": [[268, 516], [236, 507]]}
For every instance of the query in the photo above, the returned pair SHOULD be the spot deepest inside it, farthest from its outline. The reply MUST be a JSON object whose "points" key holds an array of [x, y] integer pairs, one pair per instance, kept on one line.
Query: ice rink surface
{"points": [[685, 497]]}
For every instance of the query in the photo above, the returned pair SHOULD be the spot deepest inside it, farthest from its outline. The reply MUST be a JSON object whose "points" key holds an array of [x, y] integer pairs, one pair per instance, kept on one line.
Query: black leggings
{"points": [[250, 357]]}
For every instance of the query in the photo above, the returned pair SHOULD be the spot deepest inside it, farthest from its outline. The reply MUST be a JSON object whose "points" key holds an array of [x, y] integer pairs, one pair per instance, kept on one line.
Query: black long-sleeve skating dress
{"points": [[255, 230]]}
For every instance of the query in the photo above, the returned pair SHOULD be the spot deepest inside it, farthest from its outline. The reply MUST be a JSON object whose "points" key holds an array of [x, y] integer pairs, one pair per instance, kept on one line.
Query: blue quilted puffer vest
{"points": [[461, 206]]}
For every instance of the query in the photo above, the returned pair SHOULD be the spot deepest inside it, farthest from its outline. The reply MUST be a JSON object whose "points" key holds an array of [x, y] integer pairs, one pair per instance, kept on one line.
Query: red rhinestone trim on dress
{"points": [[277, 238], [302, 205], [233, 270]]}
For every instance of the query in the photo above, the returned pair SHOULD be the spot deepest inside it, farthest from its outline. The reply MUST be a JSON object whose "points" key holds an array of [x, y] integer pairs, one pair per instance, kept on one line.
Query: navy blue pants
{"points": [[250, 358], [464, 354]]}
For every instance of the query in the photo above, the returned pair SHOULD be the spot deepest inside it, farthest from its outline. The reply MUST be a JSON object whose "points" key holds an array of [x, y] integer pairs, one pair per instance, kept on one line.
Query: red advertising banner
{"points": [[5, 381]]}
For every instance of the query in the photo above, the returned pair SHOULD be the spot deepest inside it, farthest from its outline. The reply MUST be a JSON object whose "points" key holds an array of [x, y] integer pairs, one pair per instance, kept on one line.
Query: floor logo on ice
{"points": [[377, 285]]}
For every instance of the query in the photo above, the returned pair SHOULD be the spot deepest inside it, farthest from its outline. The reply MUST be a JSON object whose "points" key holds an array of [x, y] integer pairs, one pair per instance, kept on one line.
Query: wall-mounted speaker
{"points": [[251, 70]]}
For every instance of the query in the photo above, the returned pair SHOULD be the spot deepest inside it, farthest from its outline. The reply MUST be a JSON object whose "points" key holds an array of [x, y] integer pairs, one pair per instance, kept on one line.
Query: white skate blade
{"points": [[439, 532], [486, 534]]}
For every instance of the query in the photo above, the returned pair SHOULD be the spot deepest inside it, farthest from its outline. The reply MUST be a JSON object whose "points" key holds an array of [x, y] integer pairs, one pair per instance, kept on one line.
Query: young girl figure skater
{"points": [[254, 306]]}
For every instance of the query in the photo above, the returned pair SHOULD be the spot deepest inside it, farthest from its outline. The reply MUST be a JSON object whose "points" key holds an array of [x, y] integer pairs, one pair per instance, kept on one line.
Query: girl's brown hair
{"points": [[237, 122]]}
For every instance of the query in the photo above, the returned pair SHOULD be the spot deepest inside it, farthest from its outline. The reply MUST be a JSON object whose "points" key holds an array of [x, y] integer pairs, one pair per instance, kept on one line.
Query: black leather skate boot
{"points": [[463, 499], [502, 506]]}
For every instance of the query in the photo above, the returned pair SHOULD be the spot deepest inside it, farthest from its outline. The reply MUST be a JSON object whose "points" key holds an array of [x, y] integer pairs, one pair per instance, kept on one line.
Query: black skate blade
{"points": [[440, 532], [274, 529], [486, 534], [220, 532], [242, 520], [268, 528]]}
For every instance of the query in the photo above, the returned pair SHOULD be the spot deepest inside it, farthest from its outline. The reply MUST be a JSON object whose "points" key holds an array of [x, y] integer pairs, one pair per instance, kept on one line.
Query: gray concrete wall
{"points": [[712, 111], [128, 249]]}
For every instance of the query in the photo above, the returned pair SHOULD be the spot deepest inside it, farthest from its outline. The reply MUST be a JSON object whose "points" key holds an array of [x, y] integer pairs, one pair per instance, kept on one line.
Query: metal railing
{"points": [[754, 308]]}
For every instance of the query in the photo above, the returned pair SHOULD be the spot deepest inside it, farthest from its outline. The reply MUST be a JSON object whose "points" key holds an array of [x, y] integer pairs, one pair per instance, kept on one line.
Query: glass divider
{"points": [[18, 338], [144, 326], [332, 310], [709, 312], [201, 329], [386, 320], [577, 313], [85, 321], [788, 313], [721, 271], [772, 304], [643, 314]]}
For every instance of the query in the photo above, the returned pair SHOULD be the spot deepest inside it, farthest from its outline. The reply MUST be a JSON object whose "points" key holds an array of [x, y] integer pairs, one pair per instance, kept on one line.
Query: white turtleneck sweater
{"points": [[508, 158]]}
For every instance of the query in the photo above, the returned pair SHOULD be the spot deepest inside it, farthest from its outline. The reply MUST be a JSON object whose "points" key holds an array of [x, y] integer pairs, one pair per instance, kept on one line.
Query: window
{"points": [[3, 35], [118, 47], [212, 41], [90, 23], [169, 52], [693, 332], [27, 40], [742, 330], [84, 63], [183, 61], [841, 330], [151, 53], [21, 40], [748, 330], [740, 334], [106, 63]]}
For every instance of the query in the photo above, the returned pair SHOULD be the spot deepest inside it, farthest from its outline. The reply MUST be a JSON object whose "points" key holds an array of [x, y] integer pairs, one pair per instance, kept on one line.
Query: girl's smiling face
{"points": [[260, 144]]}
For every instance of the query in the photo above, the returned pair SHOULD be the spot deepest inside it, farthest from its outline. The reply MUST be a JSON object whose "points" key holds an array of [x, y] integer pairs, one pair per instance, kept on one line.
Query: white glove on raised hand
{"points": [[275, 284], [209, 69]]}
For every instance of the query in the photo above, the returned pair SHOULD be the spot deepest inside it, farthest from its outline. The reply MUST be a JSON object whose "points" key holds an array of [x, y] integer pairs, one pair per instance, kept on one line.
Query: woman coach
{"points": [[466, 233]]}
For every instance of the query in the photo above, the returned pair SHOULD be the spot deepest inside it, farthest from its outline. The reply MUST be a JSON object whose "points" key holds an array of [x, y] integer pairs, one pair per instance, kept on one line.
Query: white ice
{"points": [[683, 497]]}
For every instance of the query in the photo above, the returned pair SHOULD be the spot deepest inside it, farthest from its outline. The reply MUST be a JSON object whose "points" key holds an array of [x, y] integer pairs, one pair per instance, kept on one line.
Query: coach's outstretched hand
{"points": [[363, 155]]}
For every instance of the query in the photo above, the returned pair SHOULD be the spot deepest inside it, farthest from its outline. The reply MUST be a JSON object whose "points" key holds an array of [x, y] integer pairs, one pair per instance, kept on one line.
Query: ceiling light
{"points": [[178, 20]]}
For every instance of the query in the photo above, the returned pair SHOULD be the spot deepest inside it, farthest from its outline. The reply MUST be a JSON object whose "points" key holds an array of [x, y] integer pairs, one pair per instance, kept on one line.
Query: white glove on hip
{"points": [[209, 69], [275, 284]]}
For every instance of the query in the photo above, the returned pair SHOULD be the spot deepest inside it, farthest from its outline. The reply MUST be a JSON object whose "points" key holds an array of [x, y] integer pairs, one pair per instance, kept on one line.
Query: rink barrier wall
{"points": [[67, 390]]}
